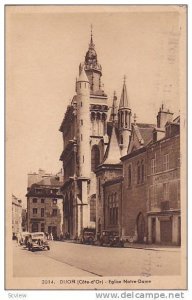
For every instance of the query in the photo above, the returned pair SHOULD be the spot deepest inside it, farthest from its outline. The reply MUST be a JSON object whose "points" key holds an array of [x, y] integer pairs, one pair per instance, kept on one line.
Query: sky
{"points": [[44, 47]]}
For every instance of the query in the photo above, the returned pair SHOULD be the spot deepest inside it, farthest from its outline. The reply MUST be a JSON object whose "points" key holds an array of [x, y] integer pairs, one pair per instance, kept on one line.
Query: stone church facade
{"points": [[107, 162], [86, 129]]}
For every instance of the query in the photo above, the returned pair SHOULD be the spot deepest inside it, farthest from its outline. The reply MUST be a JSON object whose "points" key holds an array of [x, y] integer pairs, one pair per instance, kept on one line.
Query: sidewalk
{"points": [[153, 247]]}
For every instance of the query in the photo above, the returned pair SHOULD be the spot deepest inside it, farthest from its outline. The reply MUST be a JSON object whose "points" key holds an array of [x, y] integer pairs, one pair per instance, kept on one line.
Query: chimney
{"points": [[164, 116]]}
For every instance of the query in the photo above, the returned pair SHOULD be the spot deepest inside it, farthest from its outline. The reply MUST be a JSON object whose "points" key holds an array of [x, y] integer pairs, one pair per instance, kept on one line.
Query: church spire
{"points": [[93, 69], [124, 99], [91, 44]]}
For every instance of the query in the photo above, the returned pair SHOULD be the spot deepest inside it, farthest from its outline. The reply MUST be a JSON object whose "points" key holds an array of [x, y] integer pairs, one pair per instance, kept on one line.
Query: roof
{"points": [[112, 155], [144, 132], [83, 76], [142, 135], [51, 181]]}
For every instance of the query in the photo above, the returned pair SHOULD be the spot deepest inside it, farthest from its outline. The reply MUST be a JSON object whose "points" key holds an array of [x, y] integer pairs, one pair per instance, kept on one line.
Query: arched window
{"points": [[142, 171], [138, 173], [126, 123], [95, 158], [93, 209], [121, 139], [121, 119], [129, 176]]}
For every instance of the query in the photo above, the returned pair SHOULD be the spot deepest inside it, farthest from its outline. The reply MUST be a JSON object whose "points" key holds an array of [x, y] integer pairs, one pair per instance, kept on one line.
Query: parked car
{"points": [[88, 236], [23, 236], [37, 241], [110, 238]]}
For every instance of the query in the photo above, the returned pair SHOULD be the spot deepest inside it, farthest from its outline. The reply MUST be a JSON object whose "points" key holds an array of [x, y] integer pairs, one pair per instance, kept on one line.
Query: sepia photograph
{"points": [[96, 163]]}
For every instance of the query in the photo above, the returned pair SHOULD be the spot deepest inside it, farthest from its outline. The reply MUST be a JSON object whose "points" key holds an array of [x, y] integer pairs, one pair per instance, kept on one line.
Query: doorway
{"points": [[140, 228], [153, 230]]}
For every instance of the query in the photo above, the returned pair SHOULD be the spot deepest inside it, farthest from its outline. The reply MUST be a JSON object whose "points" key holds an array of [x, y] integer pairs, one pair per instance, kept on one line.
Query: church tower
{"points": [[97, 105], [124, 120], [85, 139], [83, 120]]}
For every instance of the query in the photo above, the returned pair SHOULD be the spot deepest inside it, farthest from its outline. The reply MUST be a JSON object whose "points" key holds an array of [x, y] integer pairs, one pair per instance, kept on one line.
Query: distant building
{"points": [[45, 203], [16, 215]]}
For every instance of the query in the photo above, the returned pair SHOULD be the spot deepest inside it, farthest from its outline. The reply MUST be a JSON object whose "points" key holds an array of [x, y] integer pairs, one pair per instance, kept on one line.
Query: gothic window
{"points": [[93, 209], [129, 176], [142, 171], [126, 113], [113, 209], [95, 158], [99, 186], [138, 172], [121, 139], [121, 119]]}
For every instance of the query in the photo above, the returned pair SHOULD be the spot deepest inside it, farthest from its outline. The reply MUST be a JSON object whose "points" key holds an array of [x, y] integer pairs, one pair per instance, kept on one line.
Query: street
{"points": [[69, 259]]}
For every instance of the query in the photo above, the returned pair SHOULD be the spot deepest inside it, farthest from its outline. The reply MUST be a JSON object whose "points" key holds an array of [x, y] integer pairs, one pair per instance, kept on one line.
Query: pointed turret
{"points": [[124, 120], [113, 153], [124, 99]]}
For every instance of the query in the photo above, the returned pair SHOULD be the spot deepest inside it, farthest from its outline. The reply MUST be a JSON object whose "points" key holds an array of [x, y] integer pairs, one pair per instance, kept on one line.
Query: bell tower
{"points": [[93, 69], [124, 120]]}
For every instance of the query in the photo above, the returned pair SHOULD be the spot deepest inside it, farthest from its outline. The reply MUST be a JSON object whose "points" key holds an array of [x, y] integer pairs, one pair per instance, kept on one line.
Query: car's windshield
{"points": [[37, 236]]}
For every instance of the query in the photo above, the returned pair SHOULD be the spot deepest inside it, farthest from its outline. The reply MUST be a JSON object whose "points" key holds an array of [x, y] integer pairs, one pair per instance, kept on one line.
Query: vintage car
{"points": [[110, 238], [88, 236], [23, 237], [37, 241]]}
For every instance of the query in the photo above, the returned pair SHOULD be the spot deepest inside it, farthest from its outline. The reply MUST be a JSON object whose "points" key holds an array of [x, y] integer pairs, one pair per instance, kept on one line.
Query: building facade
{"points": [[16, 215], [45, 203], [163, 205], [151, 186]]}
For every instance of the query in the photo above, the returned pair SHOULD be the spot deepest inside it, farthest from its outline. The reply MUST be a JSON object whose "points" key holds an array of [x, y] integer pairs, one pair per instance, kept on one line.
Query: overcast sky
{"points": [[44, 46]]}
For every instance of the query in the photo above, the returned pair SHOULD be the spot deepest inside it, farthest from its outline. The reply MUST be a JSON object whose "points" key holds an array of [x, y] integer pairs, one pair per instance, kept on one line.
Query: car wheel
{"points": [[32, 249], [48, 248]]}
